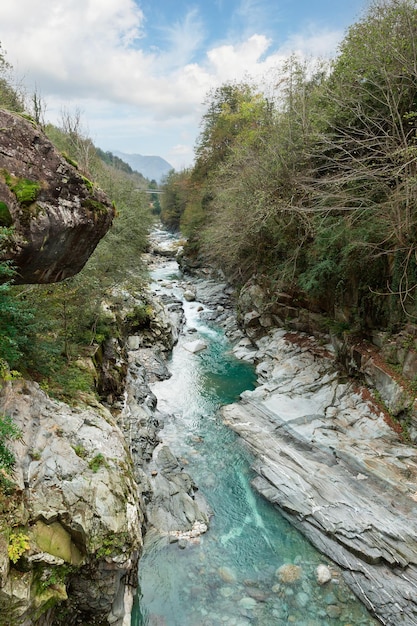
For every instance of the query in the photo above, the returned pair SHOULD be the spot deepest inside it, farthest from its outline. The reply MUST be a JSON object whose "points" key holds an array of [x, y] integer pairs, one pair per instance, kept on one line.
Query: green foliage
{"points": [[113, 544], [139, 317], [17, 323], [233, 109], [174, 199], [8, 432], [97, 462], [114, 161], [88, 183], [10, 98], [5, 217], [18, 545], [65, 380], [54, 576], [70, 161], [94, 205], [80, 451], [316, 187]]}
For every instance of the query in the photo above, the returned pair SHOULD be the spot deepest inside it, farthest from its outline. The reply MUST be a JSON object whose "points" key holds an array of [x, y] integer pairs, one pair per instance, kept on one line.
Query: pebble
{"points": [[330, 598], [247, 603], [258, 594], [227, 574], [289, 573], [226, 591], [323, 574], [333, 611], [302, 599]]}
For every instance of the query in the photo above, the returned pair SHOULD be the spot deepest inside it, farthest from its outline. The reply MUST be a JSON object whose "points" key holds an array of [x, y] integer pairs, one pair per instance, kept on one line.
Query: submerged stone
{"points": [[289, 574], [323, 574], [227, 574], [247, 603]]}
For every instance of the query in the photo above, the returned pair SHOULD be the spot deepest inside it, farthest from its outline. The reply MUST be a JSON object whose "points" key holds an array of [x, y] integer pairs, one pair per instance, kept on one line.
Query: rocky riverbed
{"points": [[328, 458], [325, 456], [236, 584], [173, 508]]}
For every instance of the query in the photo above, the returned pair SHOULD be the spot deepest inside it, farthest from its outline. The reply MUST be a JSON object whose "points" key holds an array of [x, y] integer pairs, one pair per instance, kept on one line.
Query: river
{"points": [[251, 567]]}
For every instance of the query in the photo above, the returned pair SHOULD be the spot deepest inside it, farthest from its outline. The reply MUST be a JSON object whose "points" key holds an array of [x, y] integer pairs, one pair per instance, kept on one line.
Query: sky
{"points": [[139, 71]]}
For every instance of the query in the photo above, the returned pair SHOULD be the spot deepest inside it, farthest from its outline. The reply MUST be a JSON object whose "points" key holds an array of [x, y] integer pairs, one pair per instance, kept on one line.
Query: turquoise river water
{"points": [[229, 575]]}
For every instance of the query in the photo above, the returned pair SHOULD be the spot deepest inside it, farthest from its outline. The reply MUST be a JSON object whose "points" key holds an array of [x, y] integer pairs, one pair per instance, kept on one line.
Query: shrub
{"points": [[8, 432], [18, 544], [97, 462]]}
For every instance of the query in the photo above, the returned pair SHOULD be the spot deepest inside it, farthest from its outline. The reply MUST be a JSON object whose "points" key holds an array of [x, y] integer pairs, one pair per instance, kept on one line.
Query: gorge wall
{"points": [[71, 530]]}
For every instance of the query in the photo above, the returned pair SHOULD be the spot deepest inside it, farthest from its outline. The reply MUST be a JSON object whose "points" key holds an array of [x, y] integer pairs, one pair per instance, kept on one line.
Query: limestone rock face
{"points": [[57, 215], [81, 509]]}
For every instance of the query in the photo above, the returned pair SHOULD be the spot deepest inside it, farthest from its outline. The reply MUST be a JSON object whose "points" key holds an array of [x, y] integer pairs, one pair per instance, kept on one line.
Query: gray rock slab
{"points": [[337, 471]]}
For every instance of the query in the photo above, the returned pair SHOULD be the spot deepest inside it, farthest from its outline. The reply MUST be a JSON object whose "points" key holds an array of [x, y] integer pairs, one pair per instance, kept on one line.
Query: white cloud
{"points": [[92, 54], [313, 42], [184, 37], [234, 61]]}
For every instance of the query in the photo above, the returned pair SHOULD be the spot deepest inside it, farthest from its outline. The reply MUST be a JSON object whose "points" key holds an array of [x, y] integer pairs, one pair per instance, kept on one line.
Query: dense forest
{"points": [[313, 187]]}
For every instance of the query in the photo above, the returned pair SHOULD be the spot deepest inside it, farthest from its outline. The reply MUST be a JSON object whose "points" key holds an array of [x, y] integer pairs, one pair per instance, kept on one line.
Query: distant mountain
{"points": [[152, 167]]}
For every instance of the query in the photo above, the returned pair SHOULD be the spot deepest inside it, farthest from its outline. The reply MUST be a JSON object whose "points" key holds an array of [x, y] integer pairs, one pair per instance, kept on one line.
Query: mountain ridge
{"points": [[152, 167]]}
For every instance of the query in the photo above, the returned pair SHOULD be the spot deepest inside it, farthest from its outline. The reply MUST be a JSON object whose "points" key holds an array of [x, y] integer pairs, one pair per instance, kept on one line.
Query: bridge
{"points": [[149, 190]]}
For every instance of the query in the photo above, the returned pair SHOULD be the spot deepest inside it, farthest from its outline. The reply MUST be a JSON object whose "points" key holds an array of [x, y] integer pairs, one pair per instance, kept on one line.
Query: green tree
{"points": [[257, 220], [17, 323], [10, 98], [365, 160], [8, 432], [174, 198], [232, 109]]}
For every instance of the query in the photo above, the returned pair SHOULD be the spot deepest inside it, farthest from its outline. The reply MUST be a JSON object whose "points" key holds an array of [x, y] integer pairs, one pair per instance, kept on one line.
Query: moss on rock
{"points": [[55, 540], [25, 190]]}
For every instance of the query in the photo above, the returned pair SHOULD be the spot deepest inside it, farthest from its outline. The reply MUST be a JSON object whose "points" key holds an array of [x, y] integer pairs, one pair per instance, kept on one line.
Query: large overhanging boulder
{"points": [[58, 216]]}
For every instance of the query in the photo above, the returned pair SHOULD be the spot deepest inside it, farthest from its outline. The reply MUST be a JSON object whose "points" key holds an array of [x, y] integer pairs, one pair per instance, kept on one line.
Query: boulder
{"points": [[57, 215], [195, 346], [189, 295]]}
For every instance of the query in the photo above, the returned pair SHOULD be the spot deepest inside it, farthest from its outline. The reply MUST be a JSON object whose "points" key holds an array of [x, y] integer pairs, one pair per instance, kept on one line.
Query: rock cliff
{"points": [[385, 361], [58, 216], [78, 510], [71, 533]]}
